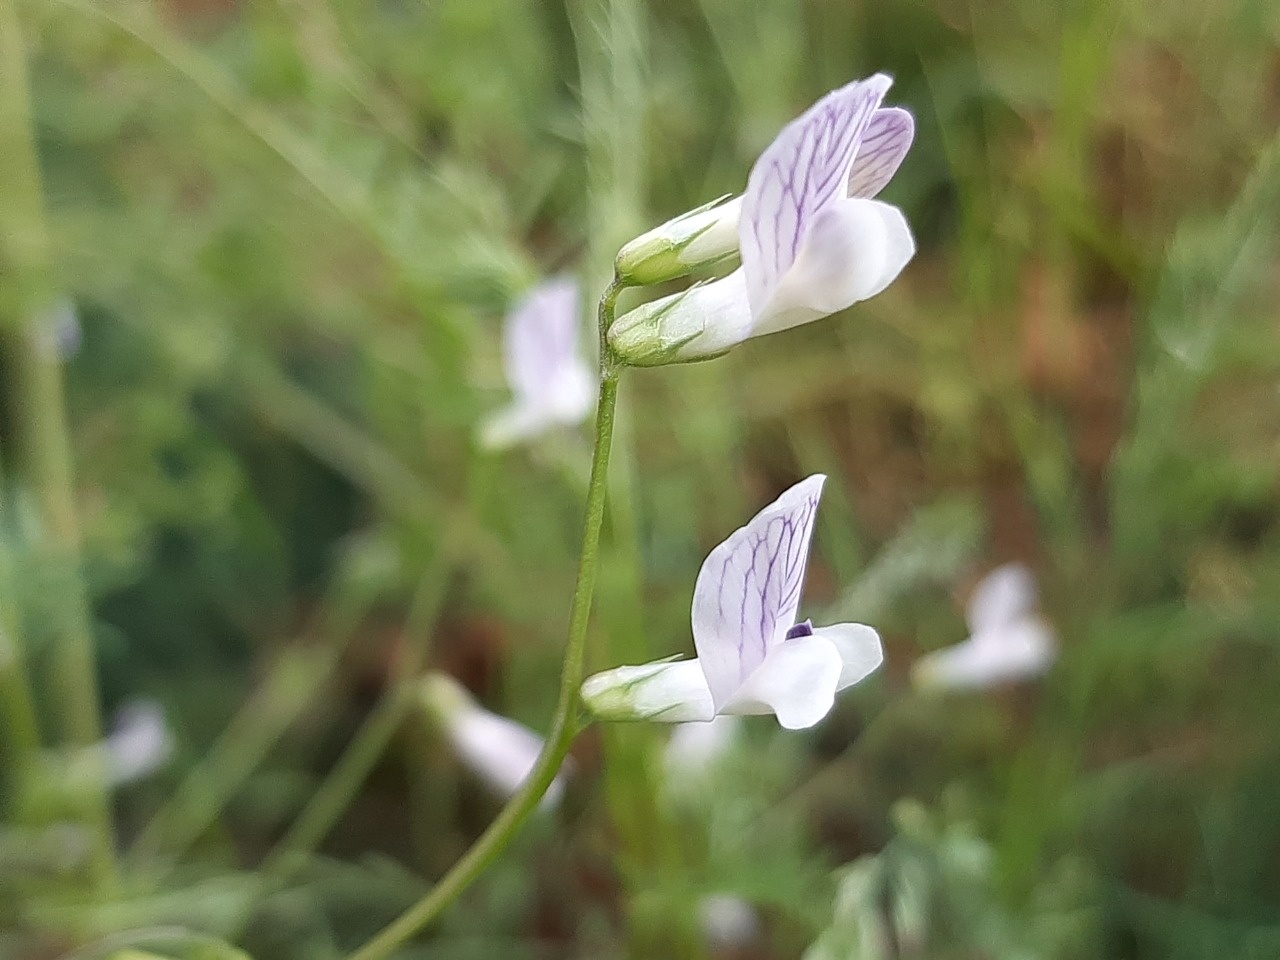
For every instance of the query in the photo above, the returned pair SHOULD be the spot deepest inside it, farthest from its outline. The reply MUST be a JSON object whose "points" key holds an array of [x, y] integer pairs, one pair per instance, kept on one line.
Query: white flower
{"points": [[694, 748], [753, 658], [139, 743], [58, 327], [551, 382], [498, 750], [812, 240], [728, 921], [1009, 640]]}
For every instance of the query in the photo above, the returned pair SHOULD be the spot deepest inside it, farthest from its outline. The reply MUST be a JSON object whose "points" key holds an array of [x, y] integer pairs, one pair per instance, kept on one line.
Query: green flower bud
{"points": [[699, 238]]}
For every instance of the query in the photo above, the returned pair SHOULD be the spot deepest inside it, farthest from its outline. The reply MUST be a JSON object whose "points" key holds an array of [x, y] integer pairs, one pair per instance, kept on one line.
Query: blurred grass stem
{"points": [[339, 788], [565, 723], [291, 686], [45, 462]]}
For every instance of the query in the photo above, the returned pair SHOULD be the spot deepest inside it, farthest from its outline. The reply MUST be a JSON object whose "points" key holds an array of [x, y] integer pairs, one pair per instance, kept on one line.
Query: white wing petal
{"points": [[540, 338], [884, 145], [1017, 651], [859, 649], [797, 681], [694, 749], [854, 250], [748, 589], [1005, 595], [514, 424], [804, 169]]}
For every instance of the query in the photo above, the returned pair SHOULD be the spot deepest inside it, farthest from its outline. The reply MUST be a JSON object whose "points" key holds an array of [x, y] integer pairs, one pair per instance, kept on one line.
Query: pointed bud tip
{"points": [[699, 238]]}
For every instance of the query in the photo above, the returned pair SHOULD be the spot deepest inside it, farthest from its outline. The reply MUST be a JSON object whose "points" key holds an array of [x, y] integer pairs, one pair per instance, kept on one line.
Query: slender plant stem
{"points": [[21, 727], [336, 792], [565, 723], [289, 688], [17, 705], [45, 464]]}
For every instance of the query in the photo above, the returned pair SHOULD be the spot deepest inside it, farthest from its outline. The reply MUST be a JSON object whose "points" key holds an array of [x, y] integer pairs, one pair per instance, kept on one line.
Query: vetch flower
{"points": [[1009, 639], [500, 751], [812, 239], [728, 922], [753, 658], [139, 743], [542, 358], [694, 749]]}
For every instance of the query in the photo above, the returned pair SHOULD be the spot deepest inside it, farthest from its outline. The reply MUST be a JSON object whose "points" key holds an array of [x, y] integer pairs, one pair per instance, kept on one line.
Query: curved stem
{"points": [[564, 725]]}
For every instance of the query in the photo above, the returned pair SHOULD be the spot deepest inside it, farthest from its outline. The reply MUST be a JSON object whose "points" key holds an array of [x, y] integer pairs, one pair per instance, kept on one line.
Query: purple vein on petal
{"points": [[798, 175], [884, 145]]}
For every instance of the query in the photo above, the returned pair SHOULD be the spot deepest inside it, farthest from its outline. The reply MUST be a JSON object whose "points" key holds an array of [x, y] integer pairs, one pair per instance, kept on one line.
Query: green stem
{"points": [[289, 688], [21, 728], [344, 780], [564, 725], [341, 785], [17, 706], [42, 429]]}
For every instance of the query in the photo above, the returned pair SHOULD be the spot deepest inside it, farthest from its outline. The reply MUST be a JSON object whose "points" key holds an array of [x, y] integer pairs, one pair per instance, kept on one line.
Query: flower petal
{"points": [[797, 681], [803, 171], [885, 143], [748, 589], [140, 742], [855, 249], [540, 338], [1026, 648], [859, 649], [1005, 595], [667, 691], [514, 424], [571, 392], [694, 749], [501, 751]]}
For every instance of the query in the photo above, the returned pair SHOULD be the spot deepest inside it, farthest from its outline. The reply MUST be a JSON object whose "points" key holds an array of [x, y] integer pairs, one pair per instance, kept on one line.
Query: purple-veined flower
{"points": [[753, 657], [811, 238], [501, 752], [1008, 639], [552, 384]]}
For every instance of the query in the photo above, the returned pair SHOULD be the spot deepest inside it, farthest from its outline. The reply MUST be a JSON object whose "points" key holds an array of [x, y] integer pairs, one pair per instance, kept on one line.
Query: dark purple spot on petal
{"points": [[802, 629]]}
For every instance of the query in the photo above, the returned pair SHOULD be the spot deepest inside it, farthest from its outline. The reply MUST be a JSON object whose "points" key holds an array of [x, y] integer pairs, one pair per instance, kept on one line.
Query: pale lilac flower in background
{"points": [[728, 922], [812, 240], [551, 382], [501, 752], [58, 327], [753, 658], [1008, 640], [139, 743], [694, 749]]}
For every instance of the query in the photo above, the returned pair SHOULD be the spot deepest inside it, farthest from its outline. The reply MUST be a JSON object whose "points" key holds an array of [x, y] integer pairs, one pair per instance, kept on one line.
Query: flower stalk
{"points": [[565, 723]]}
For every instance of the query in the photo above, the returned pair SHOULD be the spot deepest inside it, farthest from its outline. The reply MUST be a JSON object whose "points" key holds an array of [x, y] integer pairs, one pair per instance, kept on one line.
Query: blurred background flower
{"points": [[291, 231]]}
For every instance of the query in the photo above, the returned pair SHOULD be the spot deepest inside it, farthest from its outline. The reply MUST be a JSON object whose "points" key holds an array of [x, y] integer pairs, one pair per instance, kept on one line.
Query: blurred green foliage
{"points": [[290, 229]]}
